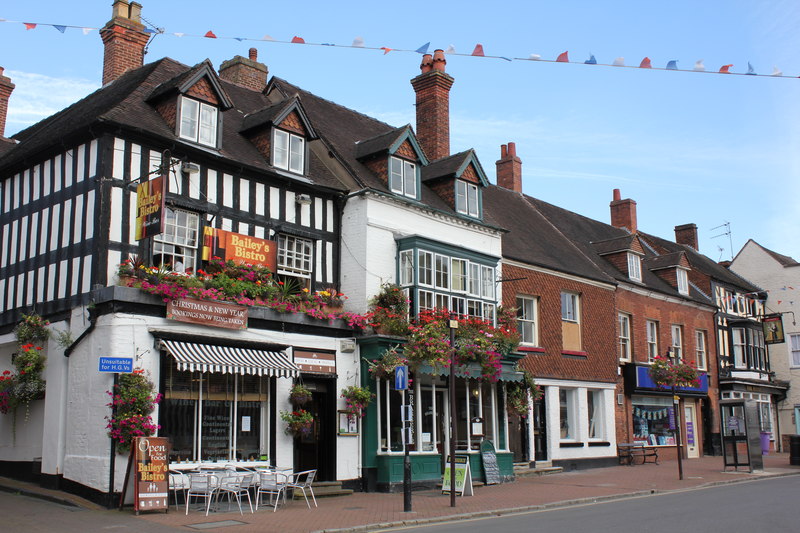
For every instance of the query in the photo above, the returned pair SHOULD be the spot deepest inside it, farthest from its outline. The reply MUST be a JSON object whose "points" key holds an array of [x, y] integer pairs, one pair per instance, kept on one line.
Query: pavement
{"points": [[362, 512]]}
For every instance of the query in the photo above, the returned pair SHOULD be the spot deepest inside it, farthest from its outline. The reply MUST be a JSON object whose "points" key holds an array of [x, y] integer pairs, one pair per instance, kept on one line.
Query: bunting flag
{"points": [[478, 51]]}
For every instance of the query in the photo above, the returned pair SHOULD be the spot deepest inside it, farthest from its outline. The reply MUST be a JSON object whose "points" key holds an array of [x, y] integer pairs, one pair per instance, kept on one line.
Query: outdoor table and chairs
{"points": [[302, 481], [274, 483], [202, 485], [236, 485]]}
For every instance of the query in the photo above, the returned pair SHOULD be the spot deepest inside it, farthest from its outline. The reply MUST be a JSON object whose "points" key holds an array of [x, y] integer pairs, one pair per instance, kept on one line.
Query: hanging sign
{"points": [[239, 248], [151, 468], [150, 208], [463, 477], [773, 329], [317, 362]]}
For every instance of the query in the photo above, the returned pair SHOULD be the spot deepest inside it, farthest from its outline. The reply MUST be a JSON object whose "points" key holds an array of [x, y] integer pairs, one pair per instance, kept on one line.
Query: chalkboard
{"points": [[490, 468]]}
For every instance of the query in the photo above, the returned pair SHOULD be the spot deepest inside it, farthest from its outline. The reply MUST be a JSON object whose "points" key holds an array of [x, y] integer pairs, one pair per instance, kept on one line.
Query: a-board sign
{"points": [[491, 470], [151, 470], [463, 477]]}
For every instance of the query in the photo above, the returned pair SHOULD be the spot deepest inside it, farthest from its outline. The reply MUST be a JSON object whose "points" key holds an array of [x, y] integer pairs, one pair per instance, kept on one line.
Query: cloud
{"points": [[37, 96]]}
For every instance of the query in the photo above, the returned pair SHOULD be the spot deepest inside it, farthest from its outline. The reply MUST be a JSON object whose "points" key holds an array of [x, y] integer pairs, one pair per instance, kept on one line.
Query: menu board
{"points": [[151, 468], [491, 469]]}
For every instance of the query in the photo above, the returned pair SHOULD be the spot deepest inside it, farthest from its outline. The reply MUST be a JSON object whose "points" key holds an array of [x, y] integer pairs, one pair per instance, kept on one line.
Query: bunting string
{"points": [[358, 42]]}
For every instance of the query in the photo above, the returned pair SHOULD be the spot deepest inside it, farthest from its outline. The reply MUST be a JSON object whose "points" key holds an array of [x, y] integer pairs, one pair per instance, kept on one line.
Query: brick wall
{"points": [[406, 151], [293, 123], [597, 323], [202, 90], [433, 112], [124, 42]]}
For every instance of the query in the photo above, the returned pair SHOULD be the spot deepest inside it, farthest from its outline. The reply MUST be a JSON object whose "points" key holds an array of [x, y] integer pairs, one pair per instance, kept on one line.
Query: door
{"points": [[690, 430], [317, 450], [540, 430]]}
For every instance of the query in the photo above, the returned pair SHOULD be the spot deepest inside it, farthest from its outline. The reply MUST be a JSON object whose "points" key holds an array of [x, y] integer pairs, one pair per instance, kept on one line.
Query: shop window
{"points": [[228, 409], [651, 421], [594, 412], [624, 337], [176, 247], [567, 421]]}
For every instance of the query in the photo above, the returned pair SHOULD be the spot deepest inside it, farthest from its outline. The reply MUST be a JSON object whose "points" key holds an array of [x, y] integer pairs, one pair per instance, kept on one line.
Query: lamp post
{"points": [[451, 383], [676, 406]]}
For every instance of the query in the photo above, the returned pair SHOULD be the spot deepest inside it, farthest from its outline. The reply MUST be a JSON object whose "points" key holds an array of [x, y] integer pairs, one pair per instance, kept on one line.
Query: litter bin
{"points": [[765, 442], [794, 450]]}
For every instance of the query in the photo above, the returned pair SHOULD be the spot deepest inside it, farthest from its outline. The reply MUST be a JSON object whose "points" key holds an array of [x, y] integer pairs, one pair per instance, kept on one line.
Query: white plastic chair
{"points": [[202, 486], [272, 483], [236, 485], [303, 481]]}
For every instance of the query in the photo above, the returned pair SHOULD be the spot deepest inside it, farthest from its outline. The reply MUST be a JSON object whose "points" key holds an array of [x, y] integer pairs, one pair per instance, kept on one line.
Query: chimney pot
{"points": [[617, 195], [512, 150], [503, 151], [427, 63], [623, 213], [136, 12], [253, 54], [438, 60], [245, 72], [124, 40], [687, 234]]}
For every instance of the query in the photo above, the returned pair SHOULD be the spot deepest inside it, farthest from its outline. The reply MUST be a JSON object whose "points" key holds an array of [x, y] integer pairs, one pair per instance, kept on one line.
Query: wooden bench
{"points": [[629, 452]]}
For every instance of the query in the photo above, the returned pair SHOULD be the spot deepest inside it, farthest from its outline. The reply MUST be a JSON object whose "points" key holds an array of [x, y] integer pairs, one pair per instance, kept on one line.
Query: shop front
{"points": [[480, 416], [654, 414]]}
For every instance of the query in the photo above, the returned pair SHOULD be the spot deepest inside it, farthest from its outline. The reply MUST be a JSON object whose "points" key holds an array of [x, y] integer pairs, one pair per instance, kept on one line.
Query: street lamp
{"points": [[676, 406], [452, 384]]}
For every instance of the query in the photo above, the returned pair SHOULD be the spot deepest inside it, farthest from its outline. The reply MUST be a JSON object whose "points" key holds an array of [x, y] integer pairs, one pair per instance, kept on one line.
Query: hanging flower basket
{"points": [[299, 395], [299, 423], [357, 399]]}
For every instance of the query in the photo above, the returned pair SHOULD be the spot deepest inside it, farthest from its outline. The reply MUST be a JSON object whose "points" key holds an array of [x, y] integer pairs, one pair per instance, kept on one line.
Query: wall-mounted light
{"points": [[303, 199], [190, 168]]}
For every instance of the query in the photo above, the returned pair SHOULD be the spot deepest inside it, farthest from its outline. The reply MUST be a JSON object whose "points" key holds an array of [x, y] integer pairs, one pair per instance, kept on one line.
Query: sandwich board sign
{"points": [[463, 477]]}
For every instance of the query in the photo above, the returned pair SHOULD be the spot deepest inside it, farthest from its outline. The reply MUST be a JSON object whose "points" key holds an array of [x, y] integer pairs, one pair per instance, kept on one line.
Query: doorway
{"points": [[540, 430], [317, 450], [690, 429]]}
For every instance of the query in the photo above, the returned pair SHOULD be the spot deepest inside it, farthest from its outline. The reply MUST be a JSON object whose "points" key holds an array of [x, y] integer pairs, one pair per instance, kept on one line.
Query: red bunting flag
{"points": [[645, 63], [298, 40], [725, 69], [29, 25], [385, 50], [563, 58], [210, 35], [478, 50], [779, 302]]}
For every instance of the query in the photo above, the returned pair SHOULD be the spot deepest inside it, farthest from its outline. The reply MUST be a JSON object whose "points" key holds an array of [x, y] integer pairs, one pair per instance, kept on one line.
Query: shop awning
{"points": [[230, 360], [473, 370]]}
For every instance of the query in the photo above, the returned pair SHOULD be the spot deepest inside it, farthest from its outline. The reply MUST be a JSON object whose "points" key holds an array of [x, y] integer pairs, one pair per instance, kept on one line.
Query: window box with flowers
{"points": [[299, 423], [388, 313]]}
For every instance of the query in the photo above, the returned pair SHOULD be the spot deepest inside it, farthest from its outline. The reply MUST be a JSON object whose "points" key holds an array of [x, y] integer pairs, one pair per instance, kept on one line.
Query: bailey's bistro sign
{"points": [[239, 248]]}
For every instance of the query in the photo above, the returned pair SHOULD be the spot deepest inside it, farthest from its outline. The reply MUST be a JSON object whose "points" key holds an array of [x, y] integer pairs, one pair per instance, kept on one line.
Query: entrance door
{"points": [[318, 449], [540, 430], [690, 430]]}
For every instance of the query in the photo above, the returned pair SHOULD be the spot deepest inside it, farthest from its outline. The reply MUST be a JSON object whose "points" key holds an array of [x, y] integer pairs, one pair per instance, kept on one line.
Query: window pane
{"points": [[442, 272], [176, 246], [406, 267], [189, 117], [294, 255], [280, 150], [396, 175], [297, 154], [425, 268], [472, 200], [569, 306], [410, 179], [474, 279], [488, 282], [208, 125], [461, 196], [565, 400], [526, 320], [459, 275]]}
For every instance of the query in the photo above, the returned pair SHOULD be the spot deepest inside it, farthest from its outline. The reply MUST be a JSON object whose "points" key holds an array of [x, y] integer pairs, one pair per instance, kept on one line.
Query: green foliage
{"points": [[383, 366], [357, 399], [667, 374], [32, 328], [132, 401]]}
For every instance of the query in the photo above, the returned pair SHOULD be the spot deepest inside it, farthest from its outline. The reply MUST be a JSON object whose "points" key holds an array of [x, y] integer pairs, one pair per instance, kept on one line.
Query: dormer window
{"points": [[403, 177], [683, 281], [467, 198], [288, 151], [198, 122], [634, 267]]}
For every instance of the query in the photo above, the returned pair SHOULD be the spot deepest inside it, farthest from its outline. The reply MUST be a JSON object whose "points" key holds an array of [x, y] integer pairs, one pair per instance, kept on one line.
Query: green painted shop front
{"points": [[382, 452]]}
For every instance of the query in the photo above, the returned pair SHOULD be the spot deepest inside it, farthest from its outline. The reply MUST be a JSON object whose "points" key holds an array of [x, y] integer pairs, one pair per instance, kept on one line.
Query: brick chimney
{"points": [[245, 72], [623, 213], [509, 168], [433, 105], [124, 40], [6, 87], [687, 234]]}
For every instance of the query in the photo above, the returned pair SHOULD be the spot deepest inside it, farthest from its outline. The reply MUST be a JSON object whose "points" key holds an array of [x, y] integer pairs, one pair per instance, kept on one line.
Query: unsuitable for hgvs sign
{"points": [[123, 365]]}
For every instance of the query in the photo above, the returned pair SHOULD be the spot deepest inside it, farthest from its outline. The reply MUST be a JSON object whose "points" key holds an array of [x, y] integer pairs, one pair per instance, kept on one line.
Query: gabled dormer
{"points": [[625, 253], [673, 268], [459, 180], [395, 157], [281, 133], [192, 105]]}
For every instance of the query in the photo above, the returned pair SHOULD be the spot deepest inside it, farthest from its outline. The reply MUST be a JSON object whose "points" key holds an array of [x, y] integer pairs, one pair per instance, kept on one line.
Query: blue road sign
{"points": [[401, 378], [122, 365]]}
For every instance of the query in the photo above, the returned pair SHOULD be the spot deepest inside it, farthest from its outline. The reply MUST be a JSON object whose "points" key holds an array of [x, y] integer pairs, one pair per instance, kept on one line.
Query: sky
{"points": [[712, 149]]}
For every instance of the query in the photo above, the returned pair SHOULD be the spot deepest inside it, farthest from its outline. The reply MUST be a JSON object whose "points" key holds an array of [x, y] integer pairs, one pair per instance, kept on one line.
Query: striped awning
{"points": [[229, 360]]}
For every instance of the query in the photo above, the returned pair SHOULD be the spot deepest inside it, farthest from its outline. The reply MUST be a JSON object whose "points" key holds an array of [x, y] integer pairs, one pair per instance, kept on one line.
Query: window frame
{"points": [[651, 327], [625, 349], [596, 415], [794, 348], [566, 413], [292, 151], [468, 200], [406, 174], [527, 319], [682, 278], [289, 258], [194, 116], [634, 267], [170, 239], [701, 349], [570, 307], [676, 346]]}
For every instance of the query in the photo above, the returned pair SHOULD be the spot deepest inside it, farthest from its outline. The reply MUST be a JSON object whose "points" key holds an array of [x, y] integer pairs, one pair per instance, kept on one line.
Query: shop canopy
{"points": [[199, 357]]}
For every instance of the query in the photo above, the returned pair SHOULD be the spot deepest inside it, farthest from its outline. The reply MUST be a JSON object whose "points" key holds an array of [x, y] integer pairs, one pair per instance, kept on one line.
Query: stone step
{"points": [[524, 471], [324, 489]]}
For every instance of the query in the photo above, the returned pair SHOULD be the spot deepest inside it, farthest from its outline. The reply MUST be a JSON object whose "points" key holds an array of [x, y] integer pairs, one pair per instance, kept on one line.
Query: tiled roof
{"points": [[784, 260]]}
